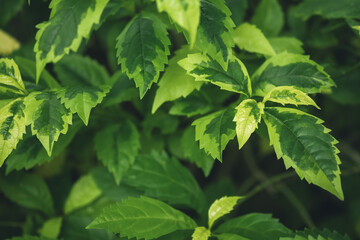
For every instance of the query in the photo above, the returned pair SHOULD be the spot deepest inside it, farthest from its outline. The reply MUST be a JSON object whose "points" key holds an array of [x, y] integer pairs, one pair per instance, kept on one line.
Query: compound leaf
{"points": [[201, 233], [164, 178], [288, 69], [248, 37], [142, 50], [186, 13], [214, 131], [142, 218], [70, 21], [203, 68], [306, 145], [117, 146], [221, 207], [247, 118]]}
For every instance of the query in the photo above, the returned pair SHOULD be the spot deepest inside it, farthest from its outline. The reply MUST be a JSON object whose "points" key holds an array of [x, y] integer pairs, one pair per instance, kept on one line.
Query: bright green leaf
{"points": [[51, 228], [81, 99], [164, 178], [186, 13], [306, 145], [70, 21], [203, 68], [214, 131], [255, 226], [48, 117], [175, 83], [289, 95], [248, 37], [286, 44], [9, 44], [247, 118], [117, 146], [142, 50], [287, 69], [142, 218], [221, 207], [201, 233], [10, 78]]}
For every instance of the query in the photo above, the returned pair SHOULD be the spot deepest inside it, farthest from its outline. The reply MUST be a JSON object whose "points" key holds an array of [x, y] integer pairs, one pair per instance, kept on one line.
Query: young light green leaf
{"points": [[142, 218], [81, 99], [214, 131], [289, 95], [164, 178], [306, 145], [287, 69], [247, 118], [48, 117], [255, 226], [117, 146], [269, 17], [9, 44], [248, 37], [10, 78], [28, 190], [175, 83], [203, 68], [214, 36], [83, 192], [230, 236], [221, 207], [142, 50], [12, 127], [201, 233], [194, 104], [51, 228], [186, 13], [286, 44], [70, 21]]}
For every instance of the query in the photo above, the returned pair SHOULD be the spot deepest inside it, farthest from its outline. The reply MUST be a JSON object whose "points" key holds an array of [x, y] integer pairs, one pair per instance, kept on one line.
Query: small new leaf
{"points": [[221, 207], [247, 118], [142, 50], [306, 145], [201, 233], [289, 95], [142, 218], [203, 68]]}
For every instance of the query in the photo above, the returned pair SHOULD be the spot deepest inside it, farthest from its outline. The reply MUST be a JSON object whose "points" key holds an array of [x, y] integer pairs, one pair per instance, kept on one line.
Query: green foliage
{"points": [[221, 207]]}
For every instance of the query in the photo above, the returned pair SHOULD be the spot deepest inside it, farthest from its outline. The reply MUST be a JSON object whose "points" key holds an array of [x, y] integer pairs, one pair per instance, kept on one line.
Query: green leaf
{"points": [[214, 131], [81, 99], [328, 9], [255, 226], [193, 152], [214, 36], [203, 68], [201, 233], [194, 104], [48, 117], [122, 90], [355, 25], [164, 178], [12, 127], [77, 70], [269, 17], [142, 218], [289, 95], [313, 234], [117, 146], [28, 190], [10, 78], [142, 50], [306, 145], [83, 192], [9, 44], [287, 69], [286, 44], [247, 118], [175, 83], [230, 236], [70, 21], [27, 237], [8, 9], [186, 13], [51, 228], [221, 207], [248, 37]]}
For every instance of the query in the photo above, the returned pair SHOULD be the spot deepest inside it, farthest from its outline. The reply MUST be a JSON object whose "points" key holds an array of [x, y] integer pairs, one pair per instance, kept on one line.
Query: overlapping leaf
{"points": [[70, 21], [203, 68], [286, 44], [214, 131], [142, 50], [306, 145], [287, 69], [201, 233], [142, 218], [221, 207]]}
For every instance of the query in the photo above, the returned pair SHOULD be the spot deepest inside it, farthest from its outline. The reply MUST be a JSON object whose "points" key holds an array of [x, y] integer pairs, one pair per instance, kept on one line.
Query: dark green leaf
{"points": [[194, 104]]}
